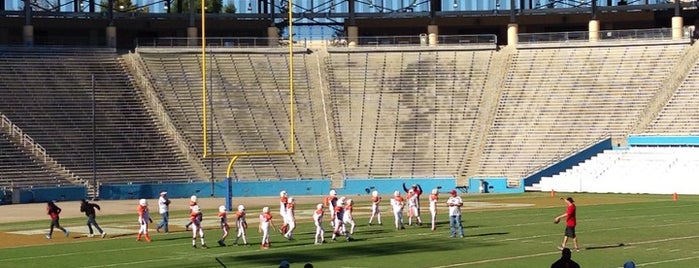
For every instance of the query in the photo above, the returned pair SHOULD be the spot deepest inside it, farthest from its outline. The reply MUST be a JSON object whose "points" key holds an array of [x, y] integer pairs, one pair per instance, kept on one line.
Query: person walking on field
{"points": [[53, 212], [143, 220], [241, 224], [454, 203], [223, 218], [266, 224], [164, 209], [89, 209], [570, 224]]}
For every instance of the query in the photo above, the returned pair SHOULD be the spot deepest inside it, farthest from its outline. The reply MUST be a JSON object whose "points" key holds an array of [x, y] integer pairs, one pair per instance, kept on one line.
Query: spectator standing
{"points": [[565, 261], [89, 209], [454, 203], [164, 209]]}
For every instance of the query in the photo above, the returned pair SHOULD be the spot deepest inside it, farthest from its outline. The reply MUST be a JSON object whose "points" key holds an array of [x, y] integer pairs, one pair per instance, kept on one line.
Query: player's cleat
{"points": [[577, 250], [220, 243], [462, 236], [559, 248], [104, 234], [186, 227], [348, 239], [204, 246], [90, 235], [157, 229], [67, 233], [370, 224], [194, 246], [48, 236]]}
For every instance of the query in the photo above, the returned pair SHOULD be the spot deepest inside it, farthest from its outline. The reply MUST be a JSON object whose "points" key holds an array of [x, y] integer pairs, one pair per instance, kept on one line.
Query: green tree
{"points": [[211, 6], [230, 8], [122, 6]]}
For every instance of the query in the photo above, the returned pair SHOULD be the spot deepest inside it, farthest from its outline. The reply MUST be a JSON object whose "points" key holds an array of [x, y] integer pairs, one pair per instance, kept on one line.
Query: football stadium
{"points": [[349, 133]]}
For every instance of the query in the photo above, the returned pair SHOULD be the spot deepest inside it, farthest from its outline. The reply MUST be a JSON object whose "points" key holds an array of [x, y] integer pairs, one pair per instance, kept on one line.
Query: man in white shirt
{"points": [[454, 203], [164, 209]]}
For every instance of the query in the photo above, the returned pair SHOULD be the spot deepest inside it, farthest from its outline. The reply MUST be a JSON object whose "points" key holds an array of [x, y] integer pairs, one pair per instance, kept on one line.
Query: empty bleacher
{"points": [[405, 113], [657, 170], [681, 114], [48, 92], [556, 101], [249, 109]]}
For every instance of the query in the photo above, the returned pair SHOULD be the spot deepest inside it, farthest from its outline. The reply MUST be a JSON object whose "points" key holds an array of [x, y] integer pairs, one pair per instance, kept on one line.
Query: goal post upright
{"points": [[236, 155]]}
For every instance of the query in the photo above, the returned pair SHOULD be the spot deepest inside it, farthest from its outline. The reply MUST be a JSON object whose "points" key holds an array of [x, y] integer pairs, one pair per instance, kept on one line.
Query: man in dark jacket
{"points": [[565, 261], [89, 209]]}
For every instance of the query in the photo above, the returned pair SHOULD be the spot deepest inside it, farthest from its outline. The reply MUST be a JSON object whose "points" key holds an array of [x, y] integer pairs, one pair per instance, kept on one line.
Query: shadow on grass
{"points": [[605, 246], [348, 250]]}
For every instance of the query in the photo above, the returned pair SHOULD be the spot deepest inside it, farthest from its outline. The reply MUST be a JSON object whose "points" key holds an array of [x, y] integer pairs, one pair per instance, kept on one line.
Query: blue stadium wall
{"points": [[296, 187]]}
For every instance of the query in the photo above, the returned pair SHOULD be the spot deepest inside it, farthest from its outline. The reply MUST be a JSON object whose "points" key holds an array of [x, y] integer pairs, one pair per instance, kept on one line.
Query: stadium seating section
{"points": [[357, 112]]}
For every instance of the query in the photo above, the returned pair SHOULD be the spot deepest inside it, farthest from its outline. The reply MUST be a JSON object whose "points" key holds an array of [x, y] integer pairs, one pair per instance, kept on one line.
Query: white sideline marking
{"points": [[558, 252], [666, 261]]}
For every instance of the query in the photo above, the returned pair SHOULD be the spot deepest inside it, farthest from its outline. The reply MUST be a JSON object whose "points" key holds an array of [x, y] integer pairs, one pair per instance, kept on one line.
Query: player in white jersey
{"points": [[318, 221], [413, 208], [196, 218], [347, 217], [283, 202], [397, 204], [434, 198], [290, 218], [223, 217], [241, 224], [375, 212], [143, 220], [265, 226]]}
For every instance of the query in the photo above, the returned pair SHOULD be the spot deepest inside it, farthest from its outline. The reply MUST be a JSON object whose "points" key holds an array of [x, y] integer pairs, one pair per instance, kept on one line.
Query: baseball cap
{"points": [[163, 193], [570, 199], [453, 192], [284, 264]]}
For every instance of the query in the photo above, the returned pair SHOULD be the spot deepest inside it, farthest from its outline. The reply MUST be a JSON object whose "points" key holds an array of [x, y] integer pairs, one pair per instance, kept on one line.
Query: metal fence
{"points": [[604, 35]]}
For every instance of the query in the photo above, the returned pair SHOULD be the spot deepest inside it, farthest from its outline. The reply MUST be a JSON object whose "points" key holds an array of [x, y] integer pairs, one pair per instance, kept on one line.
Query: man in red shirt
{"points": [[570, 224]]}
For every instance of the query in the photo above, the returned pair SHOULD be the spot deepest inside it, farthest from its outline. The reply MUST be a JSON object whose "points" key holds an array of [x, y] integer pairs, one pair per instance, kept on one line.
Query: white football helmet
{"points": [[143, 202], [222, 209]]}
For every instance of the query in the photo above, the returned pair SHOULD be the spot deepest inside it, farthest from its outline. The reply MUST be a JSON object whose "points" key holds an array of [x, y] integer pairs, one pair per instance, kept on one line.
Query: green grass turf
{"points": [[654, 230]]}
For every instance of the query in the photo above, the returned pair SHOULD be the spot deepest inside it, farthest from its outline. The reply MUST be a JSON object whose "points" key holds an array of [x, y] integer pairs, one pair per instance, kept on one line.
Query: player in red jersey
{"points": [[570, 224]]}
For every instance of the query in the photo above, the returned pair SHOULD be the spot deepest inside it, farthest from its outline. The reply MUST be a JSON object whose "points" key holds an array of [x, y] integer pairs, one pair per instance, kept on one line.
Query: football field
{"points": [[514, 230]]}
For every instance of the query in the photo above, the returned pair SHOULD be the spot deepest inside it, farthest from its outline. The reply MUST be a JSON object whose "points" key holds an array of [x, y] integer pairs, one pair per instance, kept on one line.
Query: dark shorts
{"points": [[570, 231]]}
